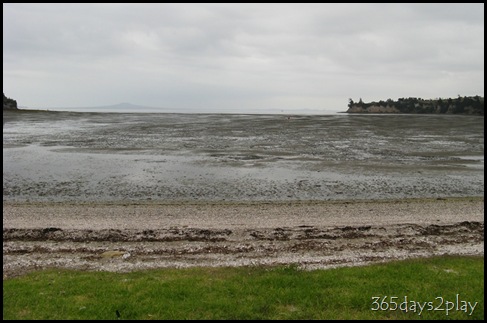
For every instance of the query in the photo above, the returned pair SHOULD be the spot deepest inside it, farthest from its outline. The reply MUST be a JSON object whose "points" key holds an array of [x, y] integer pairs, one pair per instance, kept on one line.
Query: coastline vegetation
{"points": [[393, 290], [9, 104], [472, 105]]}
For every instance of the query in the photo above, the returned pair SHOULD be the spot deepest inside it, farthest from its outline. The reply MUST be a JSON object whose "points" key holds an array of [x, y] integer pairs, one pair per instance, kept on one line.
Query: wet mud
{"points": [[61, 156]]}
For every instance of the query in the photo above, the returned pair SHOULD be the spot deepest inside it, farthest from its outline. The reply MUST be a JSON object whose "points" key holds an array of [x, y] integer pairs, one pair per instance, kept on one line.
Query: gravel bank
{"points": [[314, 234], [233, 215]]}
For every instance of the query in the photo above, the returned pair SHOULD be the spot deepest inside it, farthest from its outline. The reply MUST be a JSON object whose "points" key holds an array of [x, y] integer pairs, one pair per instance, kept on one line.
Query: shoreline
{"points": [[122, 237], [246, 202], [241, 214]]}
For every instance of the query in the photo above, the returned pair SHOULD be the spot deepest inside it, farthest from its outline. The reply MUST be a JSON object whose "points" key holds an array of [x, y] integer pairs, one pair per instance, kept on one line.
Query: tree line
{"points": [[9, 103], [473, 105]]}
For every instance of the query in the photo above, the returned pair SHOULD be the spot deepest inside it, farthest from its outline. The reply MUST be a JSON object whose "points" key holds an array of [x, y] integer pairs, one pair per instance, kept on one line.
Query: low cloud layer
{"points": [[240, 57]]}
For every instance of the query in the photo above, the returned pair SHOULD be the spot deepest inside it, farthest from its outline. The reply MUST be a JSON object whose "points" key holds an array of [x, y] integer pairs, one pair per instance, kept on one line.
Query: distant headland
{"points": [[467, 105], [9, 104], [472, 105]]}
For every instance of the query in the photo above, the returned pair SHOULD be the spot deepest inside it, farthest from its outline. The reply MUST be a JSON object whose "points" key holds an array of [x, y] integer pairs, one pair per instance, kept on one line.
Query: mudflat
{"points": [[313, 234], [109, 157]]}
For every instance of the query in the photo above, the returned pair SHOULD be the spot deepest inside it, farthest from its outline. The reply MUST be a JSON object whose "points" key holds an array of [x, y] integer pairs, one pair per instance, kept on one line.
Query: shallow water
{"points": [[69, 156]]}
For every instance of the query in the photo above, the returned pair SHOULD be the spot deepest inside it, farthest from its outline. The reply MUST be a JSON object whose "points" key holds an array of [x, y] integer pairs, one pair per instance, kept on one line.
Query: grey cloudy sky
{"points": [[240, 58]]}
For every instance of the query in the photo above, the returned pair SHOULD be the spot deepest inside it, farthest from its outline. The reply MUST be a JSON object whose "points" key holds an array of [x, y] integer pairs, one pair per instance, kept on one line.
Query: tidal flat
{"points": [[69, 156]]}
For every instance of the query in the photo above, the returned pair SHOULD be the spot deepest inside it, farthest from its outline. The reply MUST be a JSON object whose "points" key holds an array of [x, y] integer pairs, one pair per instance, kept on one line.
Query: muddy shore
{"points": [[122, 237]]}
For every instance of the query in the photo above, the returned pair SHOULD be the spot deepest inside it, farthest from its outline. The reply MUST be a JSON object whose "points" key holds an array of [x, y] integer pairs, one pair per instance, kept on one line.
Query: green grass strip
{"points": [[431, 288]]}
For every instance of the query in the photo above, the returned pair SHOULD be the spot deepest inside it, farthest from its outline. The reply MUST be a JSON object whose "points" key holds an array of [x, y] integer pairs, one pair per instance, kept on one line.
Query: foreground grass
{"points": [[434, 284]]}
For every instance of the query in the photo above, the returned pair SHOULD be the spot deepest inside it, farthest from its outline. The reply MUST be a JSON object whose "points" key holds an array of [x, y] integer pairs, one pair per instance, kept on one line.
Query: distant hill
{"points": [[9, 104], [473, 105], [121, 107]]}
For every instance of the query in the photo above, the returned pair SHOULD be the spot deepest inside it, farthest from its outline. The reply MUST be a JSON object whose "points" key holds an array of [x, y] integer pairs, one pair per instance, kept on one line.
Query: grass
{"points": [[283, 292]]}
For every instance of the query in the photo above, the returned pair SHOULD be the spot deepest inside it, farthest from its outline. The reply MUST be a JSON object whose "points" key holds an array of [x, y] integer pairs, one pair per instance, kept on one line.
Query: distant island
{"points": [[9, 104], [472, 105]]}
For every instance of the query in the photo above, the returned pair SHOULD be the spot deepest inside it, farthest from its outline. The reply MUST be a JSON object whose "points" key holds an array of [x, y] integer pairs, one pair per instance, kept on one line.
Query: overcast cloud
{"points": [[240, 58]]}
